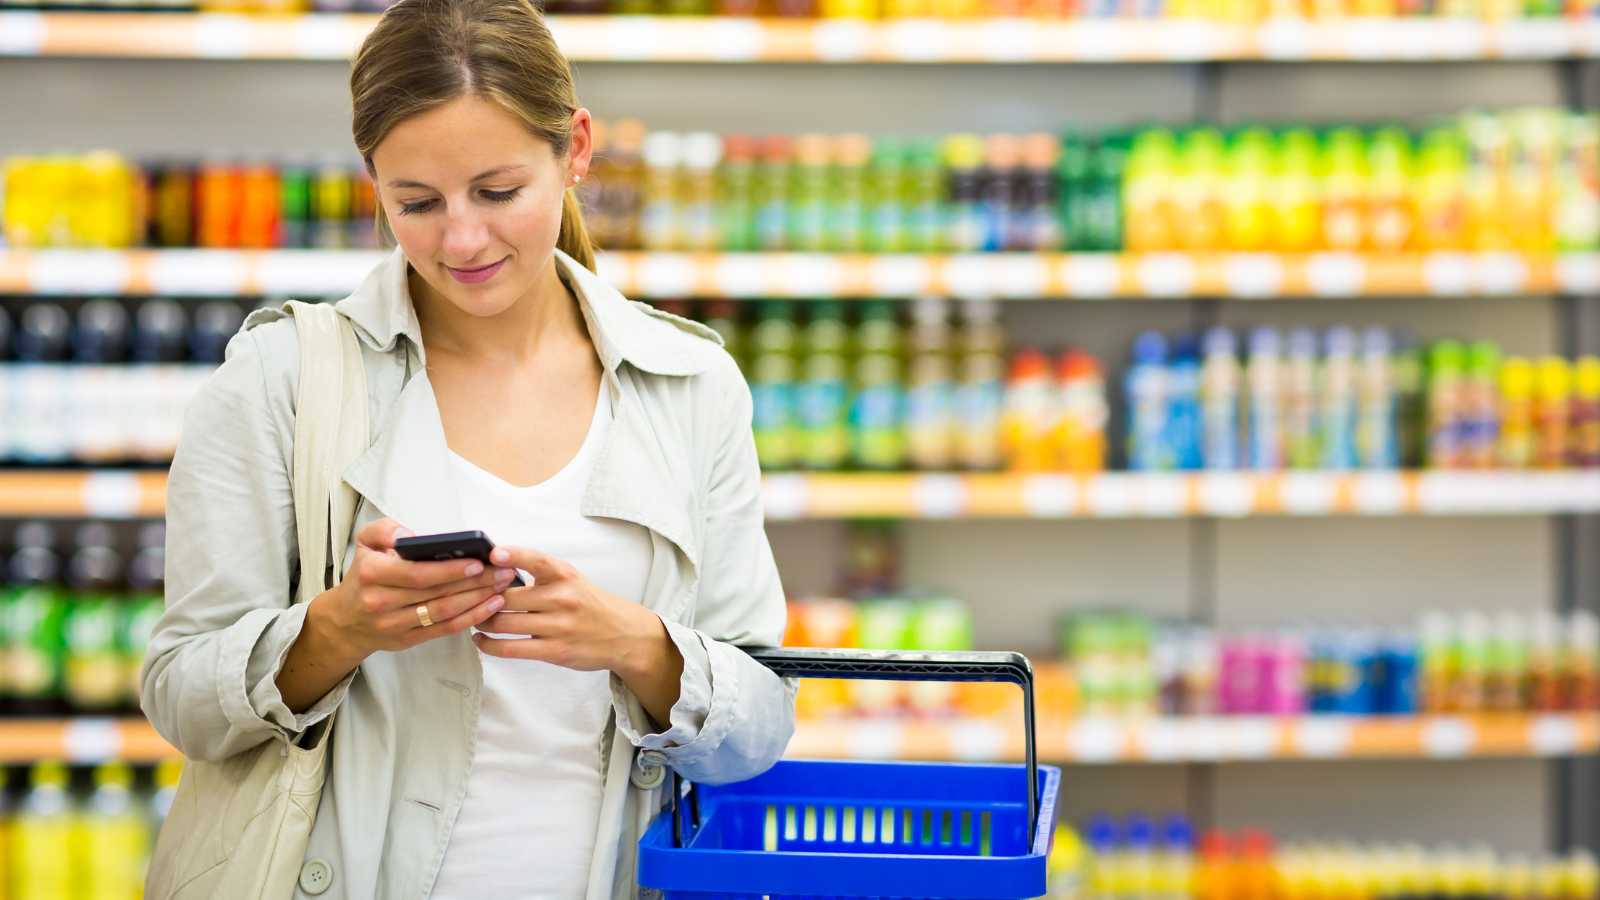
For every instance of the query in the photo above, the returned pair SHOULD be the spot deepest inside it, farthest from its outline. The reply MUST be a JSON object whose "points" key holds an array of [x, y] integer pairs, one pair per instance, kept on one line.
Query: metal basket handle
{"points": [[898, 665]]}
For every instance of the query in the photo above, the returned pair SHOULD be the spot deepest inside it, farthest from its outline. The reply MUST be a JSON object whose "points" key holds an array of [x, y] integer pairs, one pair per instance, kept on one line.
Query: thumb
{"points": [[381, 534]]}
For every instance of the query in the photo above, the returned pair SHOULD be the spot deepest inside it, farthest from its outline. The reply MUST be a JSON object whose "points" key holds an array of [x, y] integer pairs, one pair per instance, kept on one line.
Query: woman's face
{"points": [[474, 199]]}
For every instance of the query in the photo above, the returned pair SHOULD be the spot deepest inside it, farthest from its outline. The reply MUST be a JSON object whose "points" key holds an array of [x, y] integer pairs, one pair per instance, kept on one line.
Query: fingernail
{"points": [[504, 576], [404, 532], [474, 568], [496, 602], [501, 555]]}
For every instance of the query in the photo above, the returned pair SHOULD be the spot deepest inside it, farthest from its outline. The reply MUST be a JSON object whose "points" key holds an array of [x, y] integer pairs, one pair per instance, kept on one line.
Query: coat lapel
{"points": [[406, 473]]}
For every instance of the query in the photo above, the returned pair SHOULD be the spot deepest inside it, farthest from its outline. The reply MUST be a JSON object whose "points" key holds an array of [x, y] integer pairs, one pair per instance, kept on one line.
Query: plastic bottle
{"points": [[966, 226], [1577, 205], [1183, 395], [980, 385], [1175, 860], [1030, 412], [1102, 201], [1073, 174], [1441, 190], [1581, 664], [809, 182], [886, 197], [697, 210], [1515, 450], [98, 396], [1037, 225], [1473, 667], [619, 185], [1481, 432], [1345, 190], [38, 383], [773, 374], [1552, 413], [1220, 401], [925, 198], [35, 614], [878, 407], [1247, 203], [1256, 877], [1079, 441], [1377, 432], [847, 194], [930, 400], [1436, 636], [736, 195], [1150, 193], [1201, 217], [1411, 418], [1105, 858], [95, 678], [772, 194], [1139, 858], [1546, 692], [1264, 377], [1393, 217], [1068, 865], [661, 216], [1001, 193], [45, 838], [1488, 183], [144, 606], [1148, 405], [1338, 401], [1301, 429], [115, 838], [823, 400], [1214, 875], [1446, 373], [1402, 678], [1584, 427], [1296, 196]]}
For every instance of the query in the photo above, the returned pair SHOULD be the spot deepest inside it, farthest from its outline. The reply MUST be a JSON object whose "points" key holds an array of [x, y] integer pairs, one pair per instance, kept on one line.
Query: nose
{"points": [[465, 236]]}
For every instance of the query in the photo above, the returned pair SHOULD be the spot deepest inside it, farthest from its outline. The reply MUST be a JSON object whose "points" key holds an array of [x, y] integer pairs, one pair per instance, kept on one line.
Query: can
{"points": [[220, 188], [259, 199]]}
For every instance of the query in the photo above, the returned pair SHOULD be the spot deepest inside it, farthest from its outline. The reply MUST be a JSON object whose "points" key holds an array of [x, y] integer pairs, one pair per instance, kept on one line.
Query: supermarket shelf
{"points": [[1164, 740], [1008, 275], [733, 40], [116, 494]]}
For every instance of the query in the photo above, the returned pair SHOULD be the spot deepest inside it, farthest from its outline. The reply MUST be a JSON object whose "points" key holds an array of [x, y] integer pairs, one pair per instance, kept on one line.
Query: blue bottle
{"points": [[1219, 397], [1146, 386], [1264, 374], [1183, 386], [1337, 413]]}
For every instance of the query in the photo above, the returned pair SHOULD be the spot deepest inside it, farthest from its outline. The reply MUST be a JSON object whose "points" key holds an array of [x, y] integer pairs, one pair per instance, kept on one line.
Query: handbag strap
{"points": [[330, 432]]}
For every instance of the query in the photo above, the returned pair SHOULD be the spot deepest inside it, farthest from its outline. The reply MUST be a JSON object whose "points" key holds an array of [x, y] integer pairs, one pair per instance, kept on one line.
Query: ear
{"points": [[580, 149]]}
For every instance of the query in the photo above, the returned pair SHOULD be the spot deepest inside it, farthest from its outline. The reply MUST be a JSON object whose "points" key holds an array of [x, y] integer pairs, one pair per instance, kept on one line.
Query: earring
{"points": [[576, 179]]}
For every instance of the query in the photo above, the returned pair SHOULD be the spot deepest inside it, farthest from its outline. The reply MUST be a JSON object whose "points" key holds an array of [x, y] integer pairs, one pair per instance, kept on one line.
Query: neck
{"points": [[545, 314]]}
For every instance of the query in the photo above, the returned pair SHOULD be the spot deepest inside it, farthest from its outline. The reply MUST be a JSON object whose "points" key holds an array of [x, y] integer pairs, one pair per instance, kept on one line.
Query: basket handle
{"points": [[903, 665]]}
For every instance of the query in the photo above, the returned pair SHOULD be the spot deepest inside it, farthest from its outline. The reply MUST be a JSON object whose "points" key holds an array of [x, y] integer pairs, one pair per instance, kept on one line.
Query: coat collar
{"points": [[622, 331]]}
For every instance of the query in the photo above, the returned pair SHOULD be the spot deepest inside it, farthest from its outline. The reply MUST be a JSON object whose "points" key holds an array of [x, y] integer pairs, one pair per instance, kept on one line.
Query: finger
{"points": [[539, 598], [470, 617], [542, 566], [531, 624], [380, 534], [496, 578], [440, 609], [394, 572], [514, 648]]}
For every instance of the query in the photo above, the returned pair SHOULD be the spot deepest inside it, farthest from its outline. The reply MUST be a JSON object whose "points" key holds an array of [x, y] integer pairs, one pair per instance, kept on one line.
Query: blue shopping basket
{"points": [[818, 830]]}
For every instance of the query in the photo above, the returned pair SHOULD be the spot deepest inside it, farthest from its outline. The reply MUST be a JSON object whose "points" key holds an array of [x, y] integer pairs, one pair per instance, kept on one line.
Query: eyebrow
{"points": [[498, 170]]}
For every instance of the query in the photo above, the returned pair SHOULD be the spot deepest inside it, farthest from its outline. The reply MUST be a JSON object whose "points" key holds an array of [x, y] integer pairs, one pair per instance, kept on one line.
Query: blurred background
{"points": [[1237, 360]]}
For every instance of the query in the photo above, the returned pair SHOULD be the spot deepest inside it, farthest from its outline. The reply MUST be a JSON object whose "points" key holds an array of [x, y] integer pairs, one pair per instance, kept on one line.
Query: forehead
{"points": [[457, 141]]}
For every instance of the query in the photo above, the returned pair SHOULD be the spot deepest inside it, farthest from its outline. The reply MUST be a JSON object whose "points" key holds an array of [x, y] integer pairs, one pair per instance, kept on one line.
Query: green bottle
{"points": [[772, 385], [808, 195], [95, 678], [847, 194], [37, 647], [1103, 200], [1073, 178], [924, 198], [878, 409], [824, 394], [736, 195], [887, 191], [771, 199]]}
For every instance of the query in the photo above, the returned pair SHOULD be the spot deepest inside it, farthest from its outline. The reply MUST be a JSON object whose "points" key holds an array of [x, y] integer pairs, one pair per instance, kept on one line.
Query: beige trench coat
{"points": [[680, 461]]}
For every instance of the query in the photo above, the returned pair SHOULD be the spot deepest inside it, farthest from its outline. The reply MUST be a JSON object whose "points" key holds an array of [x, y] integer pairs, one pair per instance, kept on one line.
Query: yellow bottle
{"points": [[43, 839], [115, 838], [1516, 413]]}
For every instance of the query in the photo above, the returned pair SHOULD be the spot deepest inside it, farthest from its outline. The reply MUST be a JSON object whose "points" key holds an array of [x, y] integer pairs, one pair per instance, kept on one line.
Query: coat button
{"points": [[648, 771], [316, 877]]}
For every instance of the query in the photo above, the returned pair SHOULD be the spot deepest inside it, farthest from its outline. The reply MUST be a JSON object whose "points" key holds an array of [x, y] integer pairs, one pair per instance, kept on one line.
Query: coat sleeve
{"points": [[208, 683], [734, 717]]}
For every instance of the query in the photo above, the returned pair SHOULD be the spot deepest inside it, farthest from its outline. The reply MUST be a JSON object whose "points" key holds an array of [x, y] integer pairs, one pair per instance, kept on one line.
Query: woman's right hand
{"points": [[375, 606]]}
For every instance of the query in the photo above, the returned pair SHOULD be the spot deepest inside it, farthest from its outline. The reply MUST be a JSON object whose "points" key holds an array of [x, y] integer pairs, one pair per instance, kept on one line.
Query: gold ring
{"points": [[423, 617]]}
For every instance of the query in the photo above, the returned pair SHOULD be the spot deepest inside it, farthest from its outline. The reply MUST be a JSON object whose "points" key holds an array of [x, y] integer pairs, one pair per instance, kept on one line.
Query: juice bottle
{"points": [[173, 207], [735, 202], [925, 198], [930, 400], [1488, 183], [1482, 411], [886, 197], [95, 678], [1264, 376], [1435, 634], [144, 606], [1301, 431], [1584, 428], [1000, 194], [331, 197], [824, 391], [96, 423], [1247, 204], [1030, 412], [1080, 439], [1175, 859], [114, 838], [159, 349], [661, 214], [1506, 665], [1101, 879], [1441, 190], [847, 196], [1103, 201], [1516, 413], [1219, 401], [878, 407], [965, 227], [1148, 405], [44, 838], [772, 194], [882, 623], [1446, 365], [1037, 224], [1377, 437], [1139, 857], [1214, 871], [808, 194], [1536, 138], [1183, 403], [1346, 190], [1294, 197], [1199, 190], [38, 384], [938, 625], [1551, 413], [38, 606], [1546, 690], [772, 385], [1581, 663], [108, 181], [1150, 200], [1073, 174], [1473, 663], [697, 209], [1410, 401], [1068, 865], [1577, 210], [1339, 412], [1392, 214], [979, 385], [1256, 877], [363, 211], [259, 197]]}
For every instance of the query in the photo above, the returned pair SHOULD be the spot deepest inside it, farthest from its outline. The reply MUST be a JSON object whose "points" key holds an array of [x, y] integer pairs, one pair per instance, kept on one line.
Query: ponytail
{"points": [[574, 238]]}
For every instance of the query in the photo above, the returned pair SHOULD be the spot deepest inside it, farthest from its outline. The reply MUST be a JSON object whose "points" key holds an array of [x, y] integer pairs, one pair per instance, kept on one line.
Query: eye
{"points": [[502, 196], [420, 206]]}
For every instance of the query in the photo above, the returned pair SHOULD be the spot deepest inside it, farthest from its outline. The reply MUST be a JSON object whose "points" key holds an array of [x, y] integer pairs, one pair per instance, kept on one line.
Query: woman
{"points": [[492, 741]]}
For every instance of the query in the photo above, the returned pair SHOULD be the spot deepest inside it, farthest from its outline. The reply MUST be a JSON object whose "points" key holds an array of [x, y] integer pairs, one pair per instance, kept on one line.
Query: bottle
{"points": [[1037, 226], [1139, 858], [1473, 663], [1377, 432], [1436, 638], [95, 678], [1545, 689], [1551, 412], [1183, 403], [1345, 190], [772, 194], [159, 348], [772, 385], [1247, 205], [1214, 876], [735, 200], [1584, 427], [1392, 218], [808, 194], [97, 393], [1175, 860], [1296, 196], [1104, 858], [1506, 665], [166, 778], [35, 615], [1581, 666], [1446, 364], [847, 193], [1441, 190], [1073, 173], [144, 606], [1488, 183], [1148, 406], [925, 198], [1411, 409], [1338, 401], [1030, 412], [697, 209], [614, 188], [44, 836], [1481, 431], [1080, 438], [1001, 193], [1219, 401], [115, 838], [7, 417], [1256, 877], [878, 406], [38, 383], [661, 214], [1201, 224], [1301, 429], [886, 198], [722, 316], [1515, 450], [966, 229], [1577, 204], [823, 399], [1264, 374], [930, 400], [979, 385]]}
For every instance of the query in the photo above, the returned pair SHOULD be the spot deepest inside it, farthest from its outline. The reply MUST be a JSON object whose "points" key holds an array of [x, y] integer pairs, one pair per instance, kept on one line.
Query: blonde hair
{"points": [[425, 53]]}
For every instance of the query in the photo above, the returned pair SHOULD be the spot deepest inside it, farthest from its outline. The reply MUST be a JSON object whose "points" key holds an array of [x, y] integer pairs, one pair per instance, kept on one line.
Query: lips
{"points": [[478, 275]]}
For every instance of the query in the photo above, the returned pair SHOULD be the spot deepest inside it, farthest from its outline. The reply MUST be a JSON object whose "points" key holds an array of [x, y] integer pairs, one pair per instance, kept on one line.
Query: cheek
{"points": [[533, 224]]}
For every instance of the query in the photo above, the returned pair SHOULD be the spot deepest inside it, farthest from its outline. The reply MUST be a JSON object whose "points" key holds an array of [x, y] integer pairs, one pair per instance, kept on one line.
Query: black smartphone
{"points": [[450, 545]]}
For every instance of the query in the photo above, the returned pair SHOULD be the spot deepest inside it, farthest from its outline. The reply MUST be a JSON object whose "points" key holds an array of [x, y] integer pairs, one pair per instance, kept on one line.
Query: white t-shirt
{"points": [[527, 826]]}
